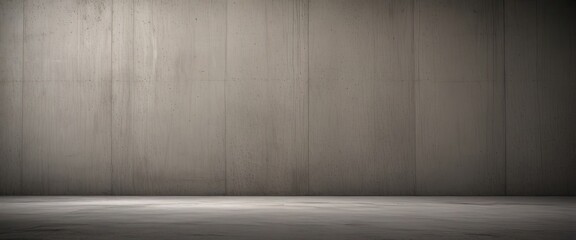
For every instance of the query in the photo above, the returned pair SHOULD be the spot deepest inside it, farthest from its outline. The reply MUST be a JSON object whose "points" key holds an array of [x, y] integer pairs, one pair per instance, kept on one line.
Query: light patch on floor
{"points": [[287, 218]]}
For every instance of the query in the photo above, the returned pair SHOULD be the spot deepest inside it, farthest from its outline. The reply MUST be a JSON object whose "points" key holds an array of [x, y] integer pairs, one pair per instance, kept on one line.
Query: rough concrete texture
{"points": [[287, 218], [295, 97]]}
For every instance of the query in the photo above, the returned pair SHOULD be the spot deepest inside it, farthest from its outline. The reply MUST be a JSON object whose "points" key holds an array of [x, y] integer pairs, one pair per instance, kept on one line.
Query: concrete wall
{"points": [[295, 97], [541, 97]]}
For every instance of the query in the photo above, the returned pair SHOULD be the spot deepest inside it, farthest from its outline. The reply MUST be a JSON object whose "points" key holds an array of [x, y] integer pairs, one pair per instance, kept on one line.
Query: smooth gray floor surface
{"points": [[287, 218]]}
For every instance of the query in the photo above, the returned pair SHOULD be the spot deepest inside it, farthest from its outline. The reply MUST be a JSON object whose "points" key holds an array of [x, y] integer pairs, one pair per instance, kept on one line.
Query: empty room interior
{"points": [[288, 119]]}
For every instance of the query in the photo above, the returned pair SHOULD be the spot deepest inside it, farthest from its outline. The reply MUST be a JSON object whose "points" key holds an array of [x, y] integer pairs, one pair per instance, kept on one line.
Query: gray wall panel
{"points": [[394, 104], [522, 110], [557, 85], [361, 91], [266, 107], [458, 98], [67, 97], [169, 98], [541, 87], [123, 179], [11, 32]]}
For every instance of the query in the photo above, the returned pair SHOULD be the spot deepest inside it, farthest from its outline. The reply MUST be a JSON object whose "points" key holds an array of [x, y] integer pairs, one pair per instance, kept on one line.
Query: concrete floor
{"points": [[287, 218]]}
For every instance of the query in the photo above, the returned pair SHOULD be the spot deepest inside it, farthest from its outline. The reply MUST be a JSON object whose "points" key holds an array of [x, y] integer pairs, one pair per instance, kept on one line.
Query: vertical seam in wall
{"points": [[294, 47], [22, 100], [496, 83], [308, 87], [129, 82], [225, 101], [295, 77], [492, 119], [374, 23], [540, 188], [505, 96], [414, 93], [77, 82], [111, 97]]}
